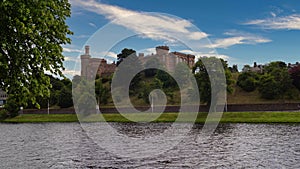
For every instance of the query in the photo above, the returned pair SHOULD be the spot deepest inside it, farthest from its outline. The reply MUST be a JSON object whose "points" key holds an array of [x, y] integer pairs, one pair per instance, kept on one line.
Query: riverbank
{"points": [[228, 117]]}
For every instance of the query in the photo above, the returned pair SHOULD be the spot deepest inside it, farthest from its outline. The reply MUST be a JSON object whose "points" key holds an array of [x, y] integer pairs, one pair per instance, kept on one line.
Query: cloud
{"points": [[70, 73], [199, 54], [151, 25], [147, 51], [238, 38], [109, 54], [93, 25], [291, 22], [71, 50], [81, 36], [71, 58]]}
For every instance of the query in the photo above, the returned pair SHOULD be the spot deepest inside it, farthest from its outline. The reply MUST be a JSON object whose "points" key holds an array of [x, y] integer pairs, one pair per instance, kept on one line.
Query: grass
{"points": [[228, 117]]}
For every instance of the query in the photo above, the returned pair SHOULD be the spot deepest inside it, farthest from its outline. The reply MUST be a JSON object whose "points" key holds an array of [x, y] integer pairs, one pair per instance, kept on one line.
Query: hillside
{"points": [[238, 96]]}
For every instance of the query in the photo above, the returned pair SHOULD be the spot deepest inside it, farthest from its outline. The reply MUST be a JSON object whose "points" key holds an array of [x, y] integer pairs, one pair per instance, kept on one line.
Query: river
{"points": [[66, 145]]}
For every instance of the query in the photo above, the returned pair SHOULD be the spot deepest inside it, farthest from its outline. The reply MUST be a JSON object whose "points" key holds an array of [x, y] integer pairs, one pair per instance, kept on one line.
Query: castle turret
{"points": [[85, 59], [162, 50]]}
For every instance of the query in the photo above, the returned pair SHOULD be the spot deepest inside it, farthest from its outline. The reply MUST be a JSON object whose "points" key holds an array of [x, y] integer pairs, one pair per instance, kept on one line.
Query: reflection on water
{"points": [[65, 145]]}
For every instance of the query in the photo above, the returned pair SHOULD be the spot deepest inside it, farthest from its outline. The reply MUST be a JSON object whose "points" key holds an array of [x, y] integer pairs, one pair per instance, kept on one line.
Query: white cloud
{"points": [[199, 54], [70, 73], [70, 58], [109, 54], [291, 22], [93, 25], [238, 38], [273, 14], [147, 51], [70, 50], [151, 25]]}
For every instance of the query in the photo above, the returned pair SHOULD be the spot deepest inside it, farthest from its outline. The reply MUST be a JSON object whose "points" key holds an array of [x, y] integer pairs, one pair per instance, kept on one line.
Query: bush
{"points": [[12, 107], [65, 98], [3, 114], [248, 81], [269, 88]]}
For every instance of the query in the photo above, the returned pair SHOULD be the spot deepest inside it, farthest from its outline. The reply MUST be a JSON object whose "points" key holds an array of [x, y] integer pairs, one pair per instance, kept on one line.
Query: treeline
{"points": [[60, 94], [276, 80]]}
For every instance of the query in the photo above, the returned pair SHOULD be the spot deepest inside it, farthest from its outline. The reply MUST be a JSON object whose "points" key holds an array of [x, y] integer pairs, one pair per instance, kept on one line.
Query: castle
{"points": [[89, 64], [169, 59]]}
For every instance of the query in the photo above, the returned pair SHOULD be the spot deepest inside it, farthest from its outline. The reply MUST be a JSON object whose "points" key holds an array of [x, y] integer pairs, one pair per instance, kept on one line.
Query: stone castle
{"points": [[89, 64], [169, 59]]}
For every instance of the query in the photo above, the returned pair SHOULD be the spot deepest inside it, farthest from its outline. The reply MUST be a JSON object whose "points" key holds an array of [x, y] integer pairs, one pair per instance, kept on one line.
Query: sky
{"points": [[241, 32]]}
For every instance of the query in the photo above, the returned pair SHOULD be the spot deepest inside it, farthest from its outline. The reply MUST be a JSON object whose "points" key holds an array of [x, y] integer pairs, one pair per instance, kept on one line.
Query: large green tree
{"points": [[295, 75], [276, 81], [31, 36], [203, 79], [248, 81]]}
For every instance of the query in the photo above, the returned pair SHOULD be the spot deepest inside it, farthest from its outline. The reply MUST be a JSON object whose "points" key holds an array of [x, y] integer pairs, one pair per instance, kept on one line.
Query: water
{"points": [[66, 145]]}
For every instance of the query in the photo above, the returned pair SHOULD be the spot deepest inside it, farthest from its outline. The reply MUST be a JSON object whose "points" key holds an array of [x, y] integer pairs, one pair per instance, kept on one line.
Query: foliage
{"points": [[276, 81], [152, 62], [31, 36], [248, 81], [204, 81], [3, 114], [268, 87], [65, 98], [167, 80], [148, 87], [124, 54], [102, 92], [234, 69], [12, 106], [130, 63], [295, 75]]}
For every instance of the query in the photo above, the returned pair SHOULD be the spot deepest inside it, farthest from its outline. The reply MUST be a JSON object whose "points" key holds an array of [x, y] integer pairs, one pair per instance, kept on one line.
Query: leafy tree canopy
{"points": [[31, 36]]}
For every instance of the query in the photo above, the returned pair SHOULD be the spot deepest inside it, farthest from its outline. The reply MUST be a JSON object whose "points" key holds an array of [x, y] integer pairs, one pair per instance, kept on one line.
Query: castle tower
{"points": [[85, 60], [162, 50]]}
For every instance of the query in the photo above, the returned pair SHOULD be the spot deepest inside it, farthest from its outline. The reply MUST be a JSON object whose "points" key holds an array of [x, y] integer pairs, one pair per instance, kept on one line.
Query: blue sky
{"points": [[239, 31]]}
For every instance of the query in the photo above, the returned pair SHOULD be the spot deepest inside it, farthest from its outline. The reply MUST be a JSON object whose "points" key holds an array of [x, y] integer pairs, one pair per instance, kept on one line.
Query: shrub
{"points": [[3, 114], [248, 81]]}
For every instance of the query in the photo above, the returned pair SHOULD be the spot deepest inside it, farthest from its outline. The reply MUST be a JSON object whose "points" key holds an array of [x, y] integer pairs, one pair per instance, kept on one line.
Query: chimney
{"points": [[87, 50], [141, 54]]}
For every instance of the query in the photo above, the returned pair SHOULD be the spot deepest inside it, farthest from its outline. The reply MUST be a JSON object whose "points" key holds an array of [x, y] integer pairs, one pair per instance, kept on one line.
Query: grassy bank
{"points": [[228, 117]]}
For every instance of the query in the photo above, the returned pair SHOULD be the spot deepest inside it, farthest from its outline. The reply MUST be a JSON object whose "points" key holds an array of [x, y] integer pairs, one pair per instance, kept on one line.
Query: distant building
{"points": [[89, 65], [256, 68], [290, 65]]}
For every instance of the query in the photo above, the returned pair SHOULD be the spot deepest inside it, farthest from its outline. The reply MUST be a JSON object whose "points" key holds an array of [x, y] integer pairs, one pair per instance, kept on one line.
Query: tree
{"points": [[167, 80], [152, 62], [204, 81], [268, 87], [31, 36], [234, 69], [248, 81], [150, 86], [130, 63], [65, 98], [124, 54], [276, 81], [295, 75]]}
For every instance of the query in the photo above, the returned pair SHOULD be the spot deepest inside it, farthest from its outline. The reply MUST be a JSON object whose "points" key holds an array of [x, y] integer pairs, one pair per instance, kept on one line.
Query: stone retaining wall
{"points": [[230, 108]]}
